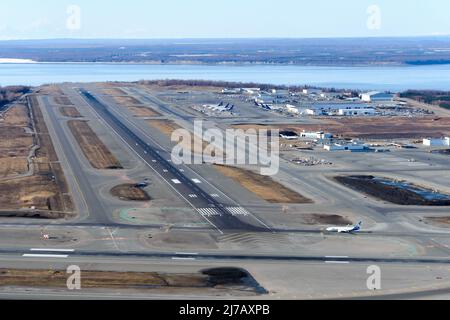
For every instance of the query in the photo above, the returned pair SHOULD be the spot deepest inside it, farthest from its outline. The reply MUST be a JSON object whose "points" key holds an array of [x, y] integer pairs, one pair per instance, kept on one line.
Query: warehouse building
{"points": [[445, 142], [375, 96]]}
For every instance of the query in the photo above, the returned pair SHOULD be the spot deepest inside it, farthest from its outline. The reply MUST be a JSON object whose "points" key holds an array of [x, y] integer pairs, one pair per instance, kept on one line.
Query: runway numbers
{"points": [[215, 195], [193, 196]]}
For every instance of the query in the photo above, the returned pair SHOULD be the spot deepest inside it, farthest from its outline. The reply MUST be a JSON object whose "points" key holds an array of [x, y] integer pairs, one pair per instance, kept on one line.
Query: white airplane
{"points": [[348, 229]]}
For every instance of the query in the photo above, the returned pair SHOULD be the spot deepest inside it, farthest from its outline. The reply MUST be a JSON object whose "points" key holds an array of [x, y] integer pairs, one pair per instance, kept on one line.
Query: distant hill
{"points": [[336, 51]]}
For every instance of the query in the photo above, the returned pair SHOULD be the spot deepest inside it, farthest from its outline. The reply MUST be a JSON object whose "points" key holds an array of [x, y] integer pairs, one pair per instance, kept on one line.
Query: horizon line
{"points": [[228, 38]]}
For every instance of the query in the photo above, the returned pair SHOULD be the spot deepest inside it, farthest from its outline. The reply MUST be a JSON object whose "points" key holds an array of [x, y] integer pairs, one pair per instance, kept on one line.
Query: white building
{"points": [[319, 109], [312, 91], [231, 91], [376, 96], [292, 109], [357, 111], [437, 142], [251, 90], [315, 135], [346, 147]]}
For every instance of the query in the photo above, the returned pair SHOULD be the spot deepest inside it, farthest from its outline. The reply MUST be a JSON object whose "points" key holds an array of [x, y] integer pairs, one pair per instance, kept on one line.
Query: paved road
{"points": [[223, 218]]}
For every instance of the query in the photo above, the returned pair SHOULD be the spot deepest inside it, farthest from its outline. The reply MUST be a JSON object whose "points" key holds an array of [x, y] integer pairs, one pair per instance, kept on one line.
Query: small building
{"points": [[445, 142], [355, 147], [251, 90], [376, 96], [318, 109], [288, 135], [292, 109], [231, 91], [315, 135], [356, 111], [312, 91]]}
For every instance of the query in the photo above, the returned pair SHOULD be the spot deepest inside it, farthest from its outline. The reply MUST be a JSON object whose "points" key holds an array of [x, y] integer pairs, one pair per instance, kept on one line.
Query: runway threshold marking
{"points": [[238, 211], [209, 212]]}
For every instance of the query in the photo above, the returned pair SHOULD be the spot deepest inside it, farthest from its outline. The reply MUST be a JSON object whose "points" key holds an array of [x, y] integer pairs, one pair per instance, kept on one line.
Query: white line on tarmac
{"points": [[338, 262], [126, 143], [64, 256], [187, 259], [336, 257], [52, 250]]}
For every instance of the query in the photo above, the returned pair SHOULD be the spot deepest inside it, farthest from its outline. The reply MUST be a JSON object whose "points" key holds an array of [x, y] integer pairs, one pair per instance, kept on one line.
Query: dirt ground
{"points": [[93, 148], [325, 219], [114, 92], [167, 127], [70, 112], [47, 189], [143, 112], [14, 141], [37, 191], [213, 280], [62, 100], [129, 192], [17, 116], [370, 127], [12, 166], [442, 222], [127, 101], [264, 187]]}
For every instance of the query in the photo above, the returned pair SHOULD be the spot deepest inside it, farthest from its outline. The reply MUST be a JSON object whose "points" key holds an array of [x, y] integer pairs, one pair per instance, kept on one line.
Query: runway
{"points": [[221, 217], [48, 253]]}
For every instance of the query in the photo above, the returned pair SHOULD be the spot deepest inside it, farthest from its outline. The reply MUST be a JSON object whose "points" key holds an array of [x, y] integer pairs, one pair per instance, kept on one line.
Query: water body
{"points": [[425, 193], [394, 78]]}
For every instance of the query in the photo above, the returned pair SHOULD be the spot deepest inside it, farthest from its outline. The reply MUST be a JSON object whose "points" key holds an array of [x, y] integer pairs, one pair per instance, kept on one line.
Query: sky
{"points": [[50, 19]]}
